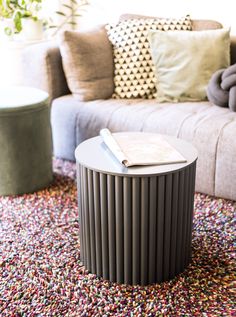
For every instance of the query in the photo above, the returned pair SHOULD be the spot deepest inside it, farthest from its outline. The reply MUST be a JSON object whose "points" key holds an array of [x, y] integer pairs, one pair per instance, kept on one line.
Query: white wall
{"points": [[11, 49], [108, 10]]}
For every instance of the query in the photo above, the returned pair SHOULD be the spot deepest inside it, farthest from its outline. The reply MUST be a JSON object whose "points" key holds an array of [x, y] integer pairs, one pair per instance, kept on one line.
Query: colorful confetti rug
{"points": [[41, 273]]}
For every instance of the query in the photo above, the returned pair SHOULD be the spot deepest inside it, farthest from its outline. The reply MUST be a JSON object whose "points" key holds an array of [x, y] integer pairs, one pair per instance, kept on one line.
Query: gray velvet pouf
{"points": [[25, 140]]}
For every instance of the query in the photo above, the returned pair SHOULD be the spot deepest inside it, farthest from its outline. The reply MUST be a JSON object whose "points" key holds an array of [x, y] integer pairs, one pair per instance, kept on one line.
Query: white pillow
{"points": [[185, 61]]}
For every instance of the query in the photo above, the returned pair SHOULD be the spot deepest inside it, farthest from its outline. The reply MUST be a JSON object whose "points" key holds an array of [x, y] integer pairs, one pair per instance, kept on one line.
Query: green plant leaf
{"points": [[72, 14], [17, 21], [18, 9], [60, 13], [8, 31], [67, 6]]}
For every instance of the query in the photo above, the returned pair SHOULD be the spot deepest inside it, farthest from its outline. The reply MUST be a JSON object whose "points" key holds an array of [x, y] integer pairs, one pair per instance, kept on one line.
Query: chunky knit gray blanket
{"points": [[221, 89]]}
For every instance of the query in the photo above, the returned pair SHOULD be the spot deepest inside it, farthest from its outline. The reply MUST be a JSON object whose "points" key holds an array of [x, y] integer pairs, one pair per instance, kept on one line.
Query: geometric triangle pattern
{"points": [[134, 75]]}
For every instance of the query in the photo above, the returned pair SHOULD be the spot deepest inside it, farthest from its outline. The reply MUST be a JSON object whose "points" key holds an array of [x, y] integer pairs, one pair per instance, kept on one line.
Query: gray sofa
{"points": [[211, 129]]}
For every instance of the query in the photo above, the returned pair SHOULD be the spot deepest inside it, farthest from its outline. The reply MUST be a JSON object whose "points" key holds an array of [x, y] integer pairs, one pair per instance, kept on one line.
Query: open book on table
{"points": [[140, 148]]}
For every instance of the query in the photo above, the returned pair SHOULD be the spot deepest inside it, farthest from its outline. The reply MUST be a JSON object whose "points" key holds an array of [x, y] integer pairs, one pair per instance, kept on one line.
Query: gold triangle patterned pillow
{"points": [[134, 75]]}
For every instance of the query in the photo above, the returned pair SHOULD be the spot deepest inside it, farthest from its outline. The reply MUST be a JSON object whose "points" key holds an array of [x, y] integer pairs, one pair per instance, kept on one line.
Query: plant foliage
{"points": [[69, 14], [18, 9]]}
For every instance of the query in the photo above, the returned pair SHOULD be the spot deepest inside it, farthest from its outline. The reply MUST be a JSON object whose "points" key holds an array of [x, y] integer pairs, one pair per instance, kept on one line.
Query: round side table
{"points": [[25, 140], [136, 222]]}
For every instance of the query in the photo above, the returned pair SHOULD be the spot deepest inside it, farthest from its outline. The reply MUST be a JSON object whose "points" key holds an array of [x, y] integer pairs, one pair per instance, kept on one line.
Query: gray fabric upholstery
{"points": [[221, 89], [42, 65], [64, 116], [197, 25], [200, 123], [233, 49], [225, 175]]}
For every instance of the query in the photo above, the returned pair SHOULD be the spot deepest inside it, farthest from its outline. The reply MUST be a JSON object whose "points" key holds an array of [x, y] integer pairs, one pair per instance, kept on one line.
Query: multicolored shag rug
{"points": [[41, 273]]}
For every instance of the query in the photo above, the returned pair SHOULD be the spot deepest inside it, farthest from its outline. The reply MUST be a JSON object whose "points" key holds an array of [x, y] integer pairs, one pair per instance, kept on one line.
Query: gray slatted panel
{"points": [[83, 219], [144, 230], [191, 206], [180, 221], [97, 214], [152, 230], [104, 225], [86, 217], [188, 216], [136, 230], [160, 227], [111, 227], [91, 221], [119, 229], [174, 224], [167, 227], [127, 231], [185, 217], [80, 206]]}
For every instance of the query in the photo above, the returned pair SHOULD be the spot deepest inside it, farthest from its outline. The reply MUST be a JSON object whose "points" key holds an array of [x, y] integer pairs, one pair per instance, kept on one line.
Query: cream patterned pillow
{"points": [[134, 70]]}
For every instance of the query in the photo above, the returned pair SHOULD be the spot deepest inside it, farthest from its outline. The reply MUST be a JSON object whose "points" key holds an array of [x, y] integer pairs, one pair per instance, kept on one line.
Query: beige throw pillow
{"points": [[88, 63], [134, 70], [185, 61]]}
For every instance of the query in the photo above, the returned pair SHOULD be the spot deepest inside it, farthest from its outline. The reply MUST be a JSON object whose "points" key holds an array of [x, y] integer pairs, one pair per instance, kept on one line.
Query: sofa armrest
{"points": [[233, 49], [43, 69]]}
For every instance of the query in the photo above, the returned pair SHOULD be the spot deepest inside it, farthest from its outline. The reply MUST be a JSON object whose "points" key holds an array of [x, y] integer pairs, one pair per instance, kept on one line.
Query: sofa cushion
{"points": [[134, 74], [185, 61], [206, 126], [64, 114], [199, 25], [196, 25], [88, 63]]}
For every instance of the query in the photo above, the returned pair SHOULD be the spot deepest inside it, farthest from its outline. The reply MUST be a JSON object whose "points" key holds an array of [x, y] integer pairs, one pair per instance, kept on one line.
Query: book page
{"points": [[143, 149], [147, 149]]}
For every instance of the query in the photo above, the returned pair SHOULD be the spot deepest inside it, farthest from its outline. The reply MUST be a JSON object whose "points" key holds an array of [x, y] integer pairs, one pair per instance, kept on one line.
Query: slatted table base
{"points": [[136, 230]]}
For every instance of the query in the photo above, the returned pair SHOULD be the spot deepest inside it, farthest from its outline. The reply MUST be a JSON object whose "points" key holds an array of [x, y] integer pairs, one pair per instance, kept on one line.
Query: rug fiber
{"points": [[41, 273]]}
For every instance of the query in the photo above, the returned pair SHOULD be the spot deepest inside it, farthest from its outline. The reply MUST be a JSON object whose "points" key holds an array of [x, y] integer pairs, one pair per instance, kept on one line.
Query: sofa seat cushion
{"points": [[201, 123]]}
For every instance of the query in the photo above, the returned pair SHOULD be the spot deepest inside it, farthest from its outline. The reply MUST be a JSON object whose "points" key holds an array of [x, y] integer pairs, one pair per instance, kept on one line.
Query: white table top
{"points": [[94, 155], [20, 96]]}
